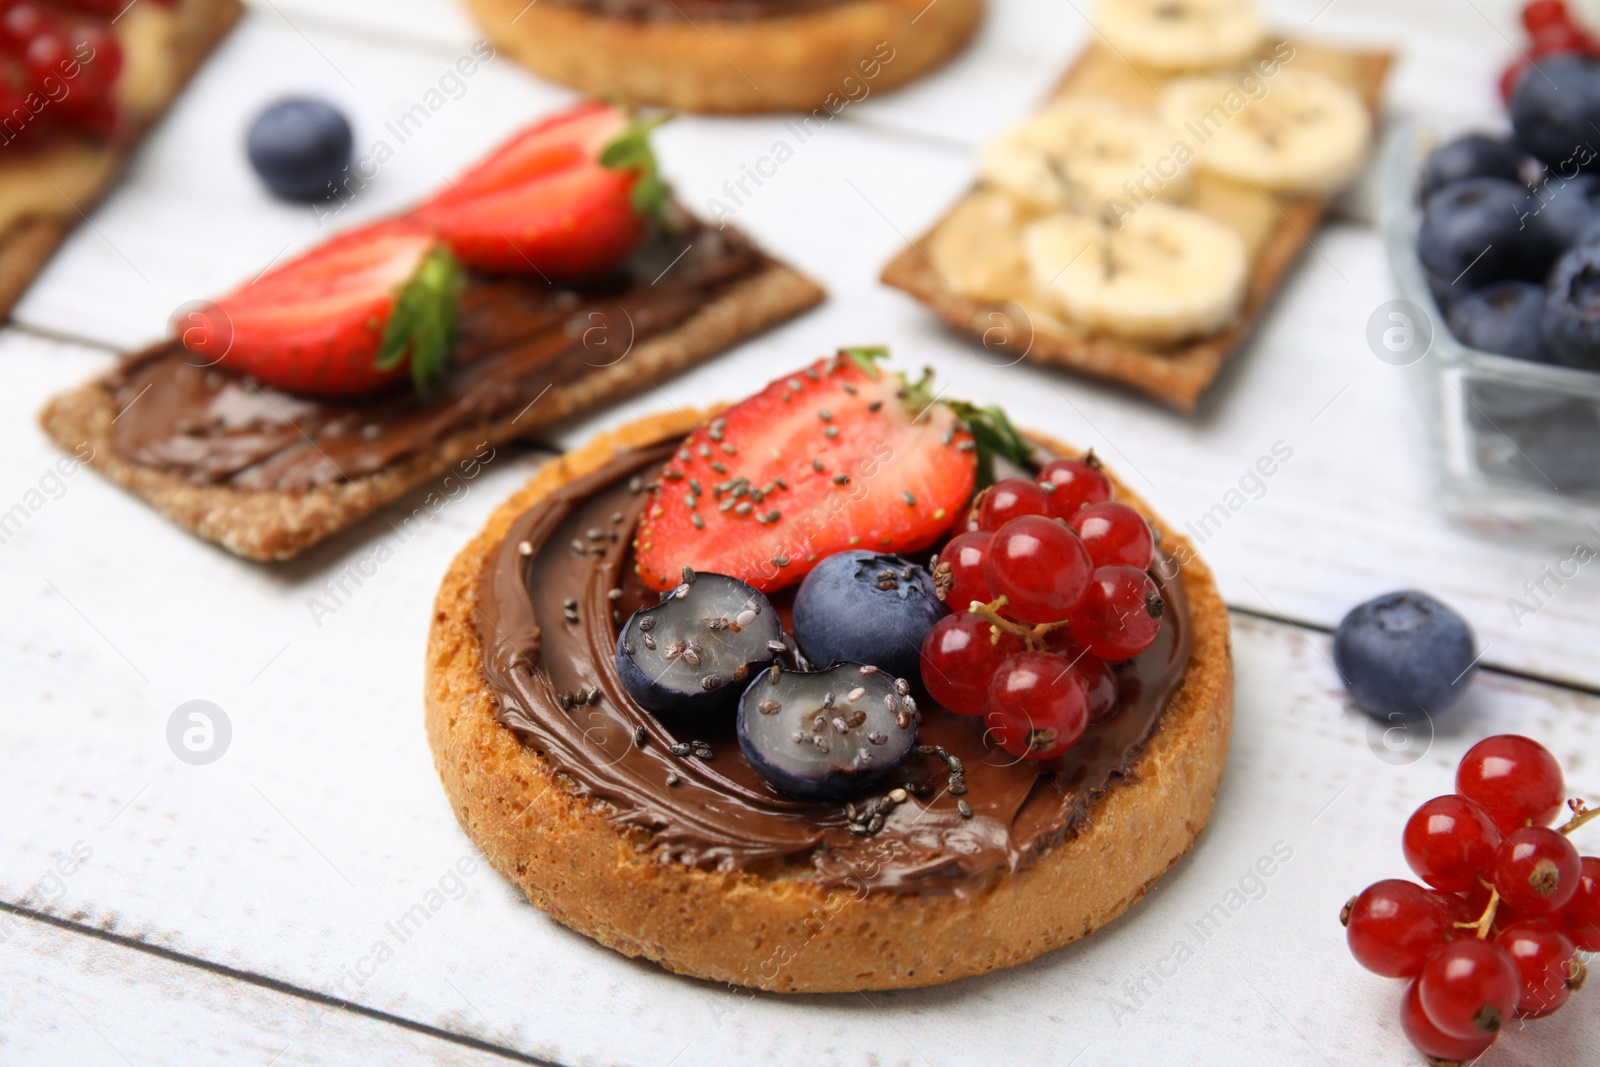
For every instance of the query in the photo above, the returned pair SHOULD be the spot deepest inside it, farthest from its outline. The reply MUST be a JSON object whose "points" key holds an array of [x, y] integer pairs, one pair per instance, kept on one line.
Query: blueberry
{"points": [[1502, 318], [1554, 111], [1566, 208], [692, 653], [824, 734], [1571, 318], [1476, 231], [1473, 156], [1404, 655], [866, 608], [300, 148]]}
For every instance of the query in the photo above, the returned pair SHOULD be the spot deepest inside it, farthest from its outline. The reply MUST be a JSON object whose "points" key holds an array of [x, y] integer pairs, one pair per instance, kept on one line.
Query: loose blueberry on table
{"points": [[300, 148], [1495, 934], [1404, 655]]}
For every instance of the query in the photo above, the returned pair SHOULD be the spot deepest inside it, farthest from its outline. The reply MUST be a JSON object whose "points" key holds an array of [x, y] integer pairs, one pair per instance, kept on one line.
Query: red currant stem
{"points": [[1032, 637], [1486, 920], [1581, 813]]}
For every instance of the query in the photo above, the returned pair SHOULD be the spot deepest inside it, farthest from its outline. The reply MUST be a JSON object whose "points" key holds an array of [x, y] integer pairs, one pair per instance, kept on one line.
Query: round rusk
{"points": [[1306, 134], [1084, 152], [1181, 34], [1160, 274]]}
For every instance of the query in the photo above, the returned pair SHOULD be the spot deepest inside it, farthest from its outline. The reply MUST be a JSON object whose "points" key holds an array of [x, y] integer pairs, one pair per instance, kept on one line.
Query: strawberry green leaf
{"points": [[991, 429], [995, 436], [866, 357], [630, 150], [423, 322]]}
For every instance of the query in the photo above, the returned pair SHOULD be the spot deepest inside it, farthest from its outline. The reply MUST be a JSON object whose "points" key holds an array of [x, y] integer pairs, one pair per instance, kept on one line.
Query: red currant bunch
{"points": [[1508, 905], [1551, 30], [59, 63], [1050, 583]]}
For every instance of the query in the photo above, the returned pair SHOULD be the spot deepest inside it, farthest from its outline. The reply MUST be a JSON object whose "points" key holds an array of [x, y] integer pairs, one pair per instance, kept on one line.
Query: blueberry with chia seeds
{"points": [[1478, 231], [1476, 155], [1502, 318], [1554, 113], [1404, 654], [824, 734], [693, 653], [1570, 321]]}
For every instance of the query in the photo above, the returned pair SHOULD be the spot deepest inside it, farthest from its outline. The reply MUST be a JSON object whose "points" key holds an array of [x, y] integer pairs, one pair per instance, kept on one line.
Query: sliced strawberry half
{"points": [[351, 316], [566, 198], [840, 455]]}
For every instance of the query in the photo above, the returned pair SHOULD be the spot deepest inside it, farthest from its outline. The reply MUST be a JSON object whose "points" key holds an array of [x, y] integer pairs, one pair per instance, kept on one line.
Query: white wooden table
{"points": [[231, 910]]}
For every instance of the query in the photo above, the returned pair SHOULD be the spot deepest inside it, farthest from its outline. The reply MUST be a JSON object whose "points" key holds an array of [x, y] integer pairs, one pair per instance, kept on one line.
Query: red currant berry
{"points": [[1076, 483], [1010, 499], [1450, 843], [1513, 778], [1114, 534], [1476, 902], [1394, 926], [1430, 1040], [1098, 677], [965, 554], [1579, 919], [1536, 870], [1120, 614], [1040, 567], [44, 56], [1469, 989], [100, 57], [959, 657], [1547, 961], [1038, 706], [1542, 14], [22, 22]]}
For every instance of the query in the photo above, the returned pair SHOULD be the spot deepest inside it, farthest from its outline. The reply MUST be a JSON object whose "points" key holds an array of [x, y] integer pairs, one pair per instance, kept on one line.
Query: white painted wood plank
{"points": [[323, 824], [72, 999]]}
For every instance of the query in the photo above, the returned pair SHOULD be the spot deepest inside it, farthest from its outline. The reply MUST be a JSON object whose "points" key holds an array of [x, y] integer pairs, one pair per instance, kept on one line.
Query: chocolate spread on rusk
{"points": [[556, 687], [681, 10], [517, 337]]}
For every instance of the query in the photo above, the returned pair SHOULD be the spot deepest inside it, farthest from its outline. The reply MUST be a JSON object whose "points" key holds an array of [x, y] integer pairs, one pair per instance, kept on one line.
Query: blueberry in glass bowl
{"points": [[1475, 232], [1513, 420]]}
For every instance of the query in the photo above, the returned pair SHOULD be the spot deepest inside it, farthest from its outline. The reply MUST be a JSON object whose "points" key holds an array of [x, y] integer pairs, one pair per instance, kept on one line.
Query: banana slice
{"points": [[978, 248], [1306, 133], [1165, 274], [1087, 152], [1181, 34]]}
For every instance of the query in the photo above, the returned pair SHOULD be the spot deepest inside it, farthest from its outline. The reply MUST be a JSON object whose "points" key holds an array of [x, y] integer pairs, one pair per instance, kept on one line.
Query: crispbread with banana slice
{"points": [[1145, 289]]}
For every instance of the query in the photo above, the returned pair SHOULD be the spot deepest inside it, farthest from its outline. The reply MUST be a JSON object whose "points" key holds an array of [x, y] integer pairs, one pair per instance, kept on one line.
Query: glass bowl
{"points": [[1515, 445]]}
